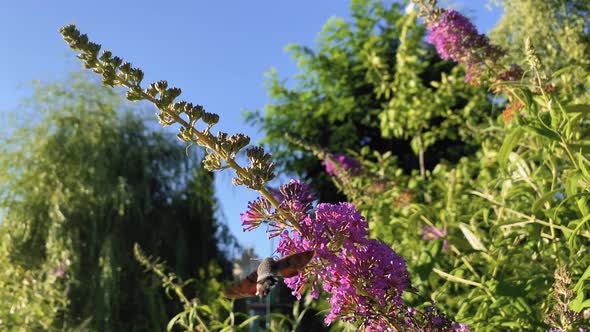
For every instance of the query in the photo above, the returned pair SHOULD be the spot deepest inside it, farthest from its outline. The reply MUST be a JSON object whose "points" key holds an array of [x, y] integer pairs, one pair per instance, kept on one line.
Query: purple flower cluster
{"points": [[258, 212], [334, 227], [364, 277], [433, 320], [367, 280], [455, 37], [294, 197], [349, 164]]}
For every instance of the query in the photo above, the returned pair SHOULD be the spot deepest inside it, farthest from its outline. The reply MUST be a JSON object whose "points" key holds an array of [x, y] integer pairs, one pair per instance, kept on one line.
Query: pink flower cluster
{"points": [[364, 277], [294, 197], [347, 163], [455, 37]]}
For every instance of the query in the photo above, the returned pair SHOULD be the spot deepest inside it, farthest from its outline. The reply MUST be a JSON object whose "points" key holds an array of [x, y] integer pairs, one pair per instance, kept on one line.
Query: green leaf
{"points": [[577, 230], [471, 238], [205, 308], [562, 71], [509, 143], [585, 276], [247, 322], [572, 181], [577, 108], [582, 147], [582, 164], [546, 197], [582, 204], [173, 321], [544, 131], [226, 304], [578, 304], [510, 289]]}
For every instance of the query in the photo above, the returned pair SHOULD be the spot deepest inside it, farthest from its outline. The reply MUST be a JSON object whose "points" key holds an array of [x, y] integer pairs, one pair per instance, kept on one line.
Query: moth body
{"points": [[268, 274]]}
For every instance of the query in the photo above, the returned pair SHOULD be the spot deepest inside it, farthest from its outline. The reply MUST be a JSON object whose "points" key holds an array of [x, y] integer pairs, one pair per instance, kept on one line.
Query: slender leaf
{"points": [[509, 143], [577, 108], [472, 238]]}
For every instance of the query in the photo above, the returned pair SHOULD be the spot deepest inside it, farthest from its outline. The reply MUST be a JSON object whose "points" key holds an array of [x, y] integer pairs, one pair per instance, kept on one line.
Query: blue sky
{"points": [[216, 51]]}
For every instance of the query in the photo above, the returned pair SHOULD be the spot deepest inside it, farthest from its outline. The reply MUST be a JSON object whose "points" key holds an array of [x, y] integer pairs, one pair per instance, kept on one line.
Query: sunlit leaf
{"points": [[471, 238]]}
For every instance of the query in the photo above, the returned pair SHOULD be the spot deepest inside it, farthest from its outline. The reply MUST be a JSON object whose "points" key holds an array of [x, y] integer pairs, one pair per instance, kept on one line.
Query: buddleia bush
{"points": [[491, 236]]}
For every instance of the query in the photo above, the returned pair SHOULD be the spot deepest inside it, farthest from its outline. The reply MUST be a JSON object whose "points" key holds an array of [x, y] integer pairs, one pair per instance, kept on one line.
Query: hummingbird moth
{"points": [[261, 281]]}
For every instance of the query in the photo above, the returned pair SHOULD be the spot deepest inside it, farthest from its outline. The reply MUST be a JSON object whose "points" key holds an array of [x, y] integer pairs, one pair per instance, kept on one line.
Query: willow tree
{"points": [[84, 178]]}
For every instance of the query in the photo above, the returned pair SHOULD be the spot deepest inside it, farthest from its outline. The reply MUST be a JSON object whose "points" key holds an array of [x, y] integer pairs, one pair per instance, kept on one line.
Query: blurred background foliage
{"points": [[559, 31], [85, 177]]}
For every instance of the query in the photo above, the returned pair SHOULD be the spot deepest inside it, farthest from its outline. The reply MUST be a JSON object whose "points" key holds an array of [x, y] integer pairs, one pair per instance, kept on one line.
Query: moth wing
{"points": [[244, 288], [291, 265]]}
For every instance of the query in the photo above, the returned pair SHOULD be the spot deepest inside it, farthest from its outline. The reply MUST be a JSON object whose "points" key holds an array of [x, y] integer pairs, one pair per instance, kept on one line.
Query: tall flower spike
{"points": [[350, 165], [455, 37]]}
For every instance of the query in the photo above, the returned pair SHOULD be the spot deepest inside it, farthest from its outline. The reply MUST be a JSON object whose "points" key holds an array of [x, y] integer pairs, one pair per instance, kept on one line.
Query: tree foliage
{"points": [[84, 178], [360, 86], [559, 31]]}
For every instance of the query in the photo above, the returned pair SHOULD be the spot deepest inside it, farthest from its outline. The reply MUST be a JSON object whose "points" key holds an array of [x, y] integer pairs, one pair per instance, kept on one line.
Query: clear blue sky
{"points": [[216, 51]]}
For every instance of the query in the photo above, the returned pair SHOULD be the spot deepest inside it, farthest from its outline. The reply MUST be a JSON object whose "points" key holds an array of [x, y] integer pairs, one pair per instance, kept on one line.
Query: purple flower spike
{"points": [[455, 37], [349, 164], [432, 233]]}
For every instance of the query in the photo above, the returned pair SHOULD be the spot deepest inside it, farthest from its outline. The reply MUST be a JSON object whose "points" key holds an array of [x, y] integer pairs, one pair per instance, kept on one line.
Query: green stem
{"points": [[530, 219], [210, 144], [180, 294]]}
